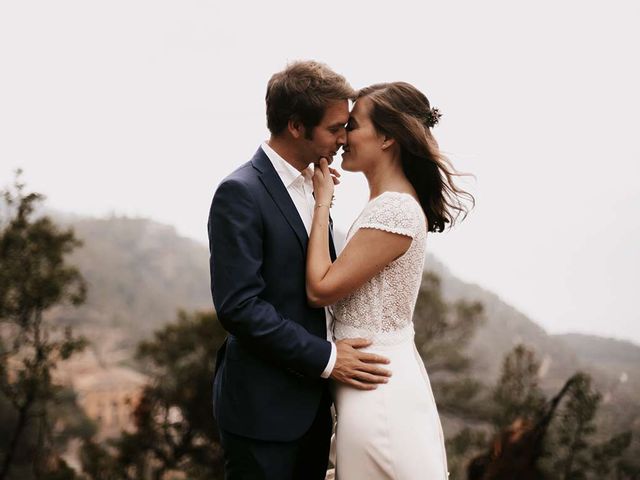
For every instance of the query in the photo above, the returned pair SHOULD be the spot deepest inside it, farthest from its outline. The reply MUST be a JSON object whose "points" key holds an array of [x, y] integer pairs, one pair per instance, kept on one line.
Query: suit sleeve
{"points": [[235, 244]]}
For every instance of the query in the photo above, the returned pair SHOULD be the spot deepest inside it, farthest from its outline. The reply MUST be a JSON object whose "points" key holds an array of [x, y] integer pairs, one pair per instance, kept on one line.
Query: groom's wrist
{"points": [[331, 363]]}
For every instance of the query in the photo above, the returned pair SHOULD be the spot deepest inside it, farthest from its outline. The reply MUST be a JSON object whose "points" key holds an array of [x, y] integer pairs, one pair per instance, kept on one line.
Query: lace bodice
{"points": [[382, 308]]}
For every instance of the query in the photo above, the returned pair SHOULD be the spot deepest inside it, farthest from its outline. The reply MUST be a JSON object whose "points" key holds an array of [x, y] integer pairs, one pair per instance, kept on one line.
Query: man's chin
{"points": [[329, 159]]}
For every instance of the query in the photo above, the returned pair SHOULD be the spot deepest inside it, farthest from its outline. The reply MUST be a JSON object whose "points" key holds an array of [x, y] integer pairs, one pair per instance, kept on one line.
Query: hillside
{"points": [[618, 357], [504, 328], [141, 272]]}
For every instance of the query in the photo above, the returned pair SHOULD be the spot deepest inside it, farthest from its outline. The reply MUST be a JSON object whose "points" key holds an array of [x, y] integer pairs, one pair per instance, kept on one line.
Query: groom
{"points": [[270, 395]]}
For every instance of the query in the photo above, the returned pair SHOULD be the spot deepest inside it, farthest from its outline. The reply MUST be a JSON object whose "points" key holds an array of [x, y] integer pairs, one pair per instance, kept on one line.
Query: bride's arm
{"points": [[366, 254]]}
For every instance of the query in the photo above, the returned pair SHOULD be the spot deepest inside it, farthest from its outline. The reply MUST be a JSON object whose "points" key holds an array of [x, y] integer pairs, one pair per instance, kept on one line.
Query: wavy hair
{"points": [[402, 112]]}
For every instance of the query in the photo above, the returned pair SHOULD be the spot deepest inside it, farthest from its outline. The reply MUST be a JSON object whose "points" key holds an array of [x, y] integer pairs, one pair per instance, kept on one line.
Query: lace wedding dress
{"points": [[393, 432]]}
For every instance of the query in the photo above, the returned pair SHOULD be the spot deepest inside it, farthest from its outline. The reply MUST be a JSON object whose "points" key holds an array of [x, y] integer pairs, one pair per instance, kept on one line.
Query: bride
{"points": [[391, 430]]}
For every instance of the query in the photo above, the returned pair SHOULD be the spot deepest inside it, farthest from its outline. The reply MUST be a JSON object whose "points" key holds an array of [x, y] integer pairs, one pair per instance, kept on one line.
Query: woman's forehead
{"points": [[361, 107]]}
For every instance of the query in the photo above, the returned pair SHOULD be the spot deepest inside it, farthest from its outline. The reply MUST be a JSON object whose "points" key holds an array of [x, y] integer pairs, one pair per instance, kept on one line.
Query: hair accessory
{"points": [[433, 117]]}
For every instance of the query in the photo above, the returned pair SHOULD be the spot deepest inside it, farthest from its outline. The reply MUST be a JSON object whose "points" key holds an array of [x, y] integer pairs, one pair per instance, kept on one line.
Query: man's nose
{"points": [[342, 138]]}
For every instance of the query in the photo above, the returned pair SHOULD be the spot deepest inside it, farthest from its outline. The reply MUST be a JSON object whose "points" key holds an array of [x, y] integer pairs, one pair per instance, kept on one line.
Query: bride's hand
{"points": [[324, 179]]}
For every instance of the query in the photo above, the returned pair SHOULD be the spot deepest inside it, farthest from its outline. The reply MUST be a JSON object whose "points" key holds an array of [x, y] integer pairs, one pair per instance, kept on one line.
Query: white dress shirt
{"points": [[300, 189]]}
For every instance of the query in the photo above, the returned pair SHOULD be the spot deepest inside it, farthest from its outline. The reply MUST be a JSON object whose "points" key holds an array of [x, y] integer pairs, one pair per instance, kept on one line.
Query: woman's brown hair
{"points": [[402, 112]]}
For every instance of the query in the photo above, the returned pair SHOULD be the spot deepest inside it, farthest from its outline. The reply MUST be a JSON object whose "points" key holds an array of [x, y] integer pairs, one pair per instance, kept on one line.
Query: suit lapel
{"points": [[271, 180]]}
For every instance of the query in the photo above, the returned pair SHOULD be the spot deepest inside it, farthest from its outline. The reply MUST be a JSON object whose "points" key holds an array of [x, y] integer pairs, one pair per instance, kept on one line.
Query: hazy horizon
{"points": [[141, 108]]}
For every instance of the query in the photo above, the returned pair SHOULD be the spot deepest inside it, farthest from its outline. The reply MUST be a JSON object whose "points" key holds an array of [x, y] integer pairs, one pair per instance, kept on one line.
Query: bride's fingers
{"points": [[336, 181], [335, 172], [319, 178], [324, 166]]}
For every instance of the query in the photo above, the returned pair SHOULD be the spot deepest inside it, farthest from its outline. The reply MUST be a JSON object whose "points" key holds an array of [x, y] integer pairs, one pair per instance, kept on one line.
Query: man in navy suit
{"points": [[271, 398]]}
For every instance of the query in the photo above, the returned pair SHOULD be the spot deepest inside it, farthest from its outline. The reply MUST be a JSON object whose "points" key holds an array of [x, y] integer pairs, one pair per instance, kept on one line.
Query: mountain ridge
{"points": [[140, 272]]}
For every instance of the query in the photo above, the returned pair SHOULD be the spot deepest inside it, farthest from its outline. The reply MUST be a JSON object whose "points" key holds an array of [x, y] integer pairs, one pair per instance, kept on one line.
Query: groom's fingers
{"points": [[372, 358], [361, 370], [378, 371], [357, 342], [361, 385], [370, 378]]}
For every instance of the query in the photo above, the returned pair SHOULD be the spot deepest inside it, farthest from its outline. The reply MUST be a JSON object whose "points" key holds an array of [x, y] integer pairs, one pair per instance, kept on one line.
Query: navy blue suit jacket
{"points": [[267, 383]]}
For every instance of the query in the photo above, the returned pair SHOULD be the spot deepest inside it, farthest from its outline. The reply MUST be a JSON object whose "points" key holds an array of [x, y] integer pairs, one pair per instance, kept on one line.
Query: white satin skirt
{"points": [[393, 432]]}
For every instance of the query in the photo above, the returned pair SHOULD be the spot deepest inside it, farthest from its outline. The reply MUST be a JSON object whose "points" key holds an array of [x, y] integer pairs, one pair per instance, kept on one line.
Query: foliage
{"points": [[442, 331], [517, 394], [34, 277], [547, 439], [573, 451], [510, 430], [175, 430]]}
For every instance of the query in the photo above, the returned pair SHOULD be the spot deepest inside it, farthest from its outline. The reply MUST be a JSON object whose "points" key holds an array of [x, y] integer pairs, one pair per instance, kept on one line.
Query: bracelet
{"points": [[318, 205]]}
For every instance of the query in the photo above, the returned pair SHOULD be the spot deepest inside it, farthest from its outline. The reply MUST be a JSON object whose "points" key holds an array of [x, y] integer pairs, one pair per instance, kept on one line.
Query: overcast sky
{"points": [[142, 107]]}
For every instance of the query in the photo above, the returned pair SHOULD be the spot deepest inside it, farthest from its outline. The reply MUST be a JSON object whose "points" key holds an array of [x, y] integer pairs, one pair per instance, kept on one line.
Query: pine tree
{"points": [[574, 452], [576, 426], [518, 394], [605, 456]]}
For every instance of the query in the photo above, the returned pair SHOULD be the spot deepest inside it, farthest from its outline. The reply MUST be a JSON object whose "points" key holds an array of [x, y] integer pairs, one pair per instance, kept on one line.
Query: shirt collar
{"points": [[287, 172]]}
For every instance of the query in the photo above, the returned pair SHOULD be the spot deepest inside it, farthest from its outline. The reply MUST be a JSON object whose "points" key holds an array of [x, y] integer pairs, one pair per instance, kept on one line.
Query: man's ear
{"points": [[296, 129]]}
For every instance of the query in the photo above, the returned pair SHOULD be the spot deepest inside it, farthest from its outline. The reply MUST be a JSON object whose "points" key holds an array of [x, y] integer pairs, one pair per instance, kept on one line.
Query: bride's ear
{"points": [[387, 142]]}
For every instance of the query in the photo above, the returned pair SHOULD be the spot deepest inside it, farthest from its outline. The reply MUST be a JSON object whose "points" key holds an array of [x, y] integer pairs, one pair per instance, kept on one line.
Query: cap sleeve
{"points": [[394, 212]]}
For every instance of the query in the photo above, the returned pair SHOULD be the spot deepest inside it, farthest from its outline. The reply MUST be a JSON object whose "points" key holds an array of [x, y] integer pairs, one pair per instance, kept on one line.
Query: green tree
{"points": [[573, 450], [443, 330], [606, 457], [540, 439], [515, 450], [517, 393], [34, 278], [175, 429], [575, 427]]}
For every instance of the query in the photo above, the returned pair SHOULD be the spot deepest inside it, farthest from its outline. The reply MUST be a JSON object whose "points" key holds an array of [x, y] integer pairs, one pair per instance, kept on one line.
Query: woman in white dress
{"points": [[391, 430]]}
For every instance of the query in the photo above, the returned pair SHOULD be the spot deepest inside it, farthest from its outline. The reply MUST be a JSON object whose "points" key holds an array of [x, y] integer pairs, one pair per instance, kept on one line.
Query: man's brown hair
{"points": [[301, 92]]}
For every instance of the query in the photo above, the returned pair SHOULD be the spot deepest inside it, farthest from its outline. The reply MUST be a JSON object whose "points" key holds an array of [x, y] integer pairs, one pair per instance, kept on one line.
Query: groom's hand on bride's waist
{"points": [[359, 369]]}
